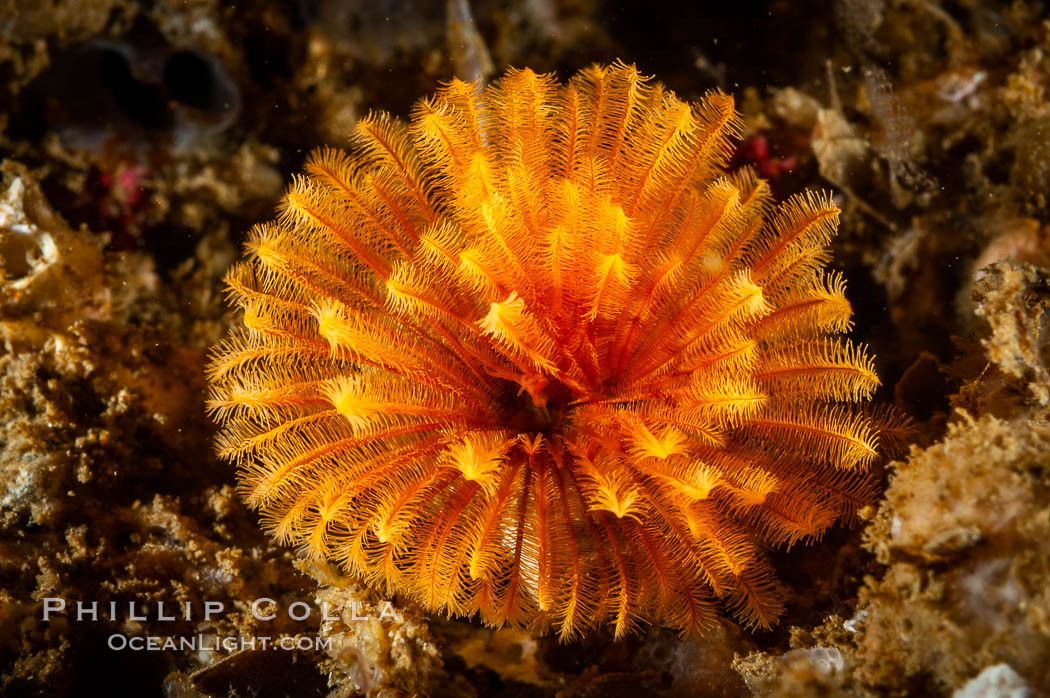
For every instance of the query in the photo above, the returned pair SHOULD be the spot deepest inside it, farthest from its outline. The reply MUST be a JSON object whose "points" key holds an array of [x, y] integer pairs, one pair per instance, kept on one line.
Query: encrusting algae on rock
{"points": [[108, 496], [963, 532], [535, 355]]}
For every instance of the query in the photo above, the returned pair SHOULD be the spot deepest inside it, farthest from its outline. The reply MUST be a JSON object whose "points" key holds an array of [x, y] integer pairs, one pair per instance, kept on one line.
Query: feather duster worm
{"points": [[535, 355]]}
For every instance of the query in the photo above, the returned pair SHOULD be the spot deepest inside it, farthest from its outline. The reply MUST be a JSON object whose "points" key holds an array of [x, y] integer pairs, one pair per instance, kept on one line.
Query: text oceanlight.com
{"points": [[195, 643]]}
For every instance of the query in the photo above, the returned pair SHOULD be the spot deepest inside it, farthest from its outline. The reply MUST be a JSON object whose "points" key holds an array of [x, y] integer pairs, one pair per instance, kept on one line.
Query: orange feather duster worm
{"points": [[535, 355]]}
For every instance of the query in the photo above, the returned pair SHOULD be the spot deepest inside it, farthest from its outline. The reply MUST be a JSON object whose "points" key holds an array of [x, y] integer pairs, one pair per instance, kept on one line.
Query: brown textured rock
{"points": [[1013, 300], [963, 532], [376, 647], [107, 488]]}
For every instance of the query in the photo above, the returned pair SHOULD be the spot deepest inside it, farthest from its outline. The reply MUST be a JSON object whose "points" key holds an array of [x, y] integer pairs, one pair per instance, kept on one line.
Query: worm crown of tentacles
{"points": [[534, 355]]}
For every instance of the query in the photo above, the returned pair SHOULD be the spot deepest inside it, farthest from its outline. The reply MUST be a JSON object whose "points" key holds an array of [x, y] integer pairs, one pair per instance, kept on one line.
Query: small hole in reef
{"points": [[190, 80], [169, 245], [15, 254], [139, 101]]}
